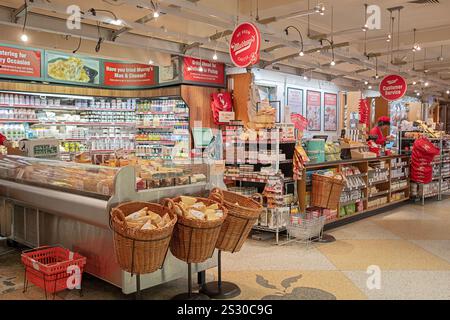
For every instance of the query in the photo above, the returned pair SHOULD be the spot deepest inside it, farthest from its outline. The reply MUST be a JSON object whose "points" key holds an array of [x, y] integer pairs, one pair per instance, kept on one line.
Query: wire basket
{"points": [[306, 229]]}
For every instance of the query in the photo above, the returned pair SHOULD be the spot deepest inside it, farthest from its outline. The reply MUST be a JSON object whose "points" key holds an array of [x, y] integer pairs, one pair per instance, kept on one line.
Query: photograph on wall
{"points": [[313, 110], [295, 100], [330, 112], [72, 68]]}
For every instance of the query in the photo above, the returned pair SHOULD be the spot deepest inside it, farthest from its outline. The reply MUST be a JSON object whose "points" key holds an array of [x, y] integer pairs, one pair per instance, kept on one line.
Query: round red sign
{"points": [[245, 44], [393, 87]]}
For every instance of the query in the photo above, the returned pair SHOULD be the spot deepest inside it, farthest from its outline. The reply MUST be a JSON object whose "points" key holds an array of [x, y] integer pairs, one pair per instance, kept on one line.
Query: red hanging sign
{"points": [[245, 45], [118, 74], [203, 71], [20, 62], [393, 87]]}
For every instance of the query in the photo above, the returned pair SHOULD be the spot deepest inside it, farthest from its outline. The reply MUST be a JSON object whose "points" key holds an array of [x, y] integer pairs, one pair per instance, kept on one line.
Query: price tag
{"points": [[225, 116]]}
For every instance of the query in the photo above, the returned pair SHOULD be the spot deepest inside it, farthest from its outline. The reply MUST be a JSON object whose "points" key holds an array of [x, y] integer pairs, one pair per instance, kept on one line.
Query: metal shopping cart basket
{"points": [[306, 229]]}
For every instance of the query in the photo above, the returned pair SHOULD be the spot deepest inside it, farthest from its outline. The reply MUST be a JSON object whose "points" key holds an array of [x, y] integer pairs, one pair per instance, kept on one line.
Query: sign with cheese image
{"points": [[72, 68]]}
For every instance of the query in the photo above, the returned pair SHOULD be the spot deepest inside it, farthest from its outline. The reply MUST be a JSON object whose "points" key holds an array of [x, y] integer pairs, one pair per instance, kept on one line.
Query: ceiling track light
{"points": [[114, 21], [320, 8], [286, 30], [155, 8]]}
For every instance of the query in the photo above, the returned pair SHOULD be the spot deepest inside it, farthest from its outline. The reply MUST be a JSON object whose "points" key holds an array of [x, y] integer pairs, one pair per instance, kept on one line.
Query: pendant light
{"points": [[24, 36], [416, 46], [286, 30]]}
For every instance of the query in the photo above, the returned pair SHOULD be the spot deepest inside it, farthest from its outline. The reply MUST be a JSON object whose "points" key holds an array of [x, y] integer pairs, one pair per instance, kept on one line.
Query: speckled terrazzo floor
{"points": [[409, 244]]}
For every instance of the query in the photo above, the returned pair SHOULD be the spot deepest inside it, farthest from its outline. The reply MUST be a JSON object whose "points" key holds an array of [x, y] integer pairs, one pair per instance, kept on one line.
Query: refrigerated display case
{"points": [[54, 202]]}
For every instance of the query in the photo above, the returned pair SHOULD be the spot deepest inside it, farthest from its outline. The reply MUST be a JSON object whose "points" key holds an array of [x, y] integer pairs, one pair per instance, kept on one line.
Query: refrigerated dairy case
{"points": [[44, 202]]}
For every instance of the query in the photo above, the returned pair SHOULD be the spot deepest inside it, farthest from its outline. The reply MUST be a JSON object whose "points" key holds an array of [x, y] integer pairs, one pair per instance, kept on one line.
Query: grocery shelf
{"points": [[378, 182], [87, 124], [66, 108], [19, 120], [381, 193]]}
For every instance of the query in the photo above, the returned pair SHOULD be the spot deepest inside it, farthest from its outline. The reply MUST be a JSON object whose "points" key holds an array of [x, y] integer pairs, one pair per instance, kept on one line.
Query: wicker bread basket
{"points": [[326, 191], [193, 240], [140, 251], [243, 212]]}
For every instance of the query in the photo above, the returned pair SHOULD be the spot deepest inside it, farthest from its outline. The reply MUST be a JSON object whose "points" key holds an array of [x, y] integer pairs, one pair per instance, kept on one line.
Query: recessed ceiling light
{"points": [[447, 92], [370, 87], [418, 94], [366, 82], [426, 83]]}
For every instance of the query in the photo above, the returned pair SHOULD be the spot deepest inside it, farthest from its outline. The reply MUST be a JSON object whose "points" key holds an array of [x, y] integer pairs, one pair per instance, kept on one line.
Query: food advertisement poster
{"points": [[313, 110], [120, 74], [16, 62], [72, 69], [200, 71], [330, 112], [295, 100]]}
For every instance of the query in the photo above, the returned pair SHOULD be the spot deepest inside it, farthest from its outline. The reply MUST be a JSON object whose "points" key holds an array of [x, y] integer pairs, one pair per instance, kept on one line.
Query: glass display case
{"points": [[72, 177], [98, 181]]}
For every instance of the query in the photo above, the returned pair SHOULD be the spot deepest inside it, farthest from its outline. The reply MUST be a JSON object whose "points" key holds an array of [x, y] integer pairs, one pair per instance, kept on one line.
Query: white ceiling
{"points": [[183, 27]]}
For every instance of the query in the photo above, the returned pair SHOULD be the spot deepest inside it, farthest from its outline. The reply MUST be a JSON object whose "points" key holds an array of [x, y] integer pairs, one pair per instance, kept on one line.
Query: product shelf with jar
{"points": [[262, 160], [98, 124]]}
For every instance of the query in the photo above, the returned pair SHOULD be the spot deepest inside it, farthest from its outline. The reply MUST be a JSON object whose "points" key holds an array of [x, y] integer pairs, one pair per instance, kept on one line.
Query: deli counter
{"points": [[44, 202]]}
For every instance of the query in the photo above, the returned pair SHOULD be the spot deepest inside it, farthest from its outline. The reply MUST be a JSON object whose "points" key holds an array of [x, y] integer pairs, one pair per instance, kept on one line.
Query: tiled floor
{"points": [[409, 246]]}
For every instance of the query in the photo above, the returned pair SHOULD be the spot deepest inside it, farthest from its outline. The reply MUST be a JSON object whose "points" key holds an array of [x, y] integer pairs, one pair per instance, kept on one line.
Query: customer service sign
{"points": [[393, 87]]}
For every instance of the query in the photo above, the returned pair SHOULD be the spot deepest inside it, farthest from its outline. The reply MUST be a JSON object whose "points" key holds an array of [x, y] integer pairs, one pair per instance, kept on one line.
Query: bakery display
{"points": [[191, 208]]}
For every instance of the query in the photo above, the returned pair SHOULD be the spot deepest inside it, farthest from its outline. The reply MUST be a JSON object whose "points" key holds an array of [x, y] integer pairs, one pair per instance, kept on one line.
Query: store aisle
{"points": [[410, 244]]}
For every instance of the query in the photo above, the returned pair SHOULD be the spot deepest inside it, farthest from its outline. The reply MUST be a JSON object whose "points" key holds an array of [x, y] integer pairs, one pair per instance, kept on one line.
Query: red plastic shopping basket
{"points": [[50, 267]]}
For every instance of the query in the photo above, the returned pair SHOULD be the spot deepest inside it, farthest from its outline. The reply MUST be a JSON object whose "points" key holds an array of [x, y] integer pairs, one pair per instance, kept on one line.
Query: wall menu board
{"points": [[16, 62], [119, 74], [71, 69], [199, 71], [330, 111], [295, 100], [313, 110]]}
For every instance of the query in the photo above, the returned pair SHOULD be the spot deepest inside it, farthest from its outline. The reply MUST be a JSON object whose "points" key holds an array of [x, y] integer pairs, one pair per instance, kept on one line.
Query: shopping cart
{"points": [[305, 229]]}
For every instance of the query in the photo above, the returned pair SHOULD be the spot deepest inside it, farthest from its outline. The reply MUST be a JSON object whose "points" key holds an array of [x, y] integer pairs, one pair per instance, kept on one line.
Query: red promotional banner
{"points": [[245, 45], [20, 62], [118, 74], [203, 71], [393, 87]]}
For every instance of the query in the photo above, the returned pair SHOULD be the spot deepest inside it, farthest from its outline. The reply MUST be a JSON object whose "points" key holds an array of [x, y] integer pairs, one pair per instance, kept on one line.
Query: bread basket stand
{"points": [[148, 252], [231, 241], [191, 243]]}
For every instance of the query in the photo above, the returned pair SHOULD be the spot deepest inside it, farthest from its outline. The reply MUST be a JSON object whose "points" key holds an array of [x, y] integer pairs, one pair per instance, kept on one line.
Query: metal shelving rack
{"points": [[284, 166], [421, 196]]}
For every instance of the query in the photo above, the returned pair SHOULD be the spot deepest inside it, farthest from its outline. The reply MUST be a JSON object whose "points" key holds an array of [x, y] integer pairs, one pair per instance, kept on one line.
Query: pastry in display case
{"points": [[94, 180]]}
